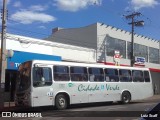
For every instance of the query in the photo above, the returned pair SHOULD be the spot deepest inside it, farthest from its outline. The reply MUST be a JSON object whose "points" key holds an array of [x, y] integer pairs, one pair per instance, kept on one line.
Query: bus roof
{"points": [[47, 62]]}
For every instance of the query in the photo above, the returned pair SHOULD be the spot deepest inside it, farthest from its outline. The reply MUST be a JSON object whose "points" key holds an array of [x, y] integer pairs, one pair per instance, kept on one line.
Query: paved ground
{"points": [[11, 106], [91, 110]]}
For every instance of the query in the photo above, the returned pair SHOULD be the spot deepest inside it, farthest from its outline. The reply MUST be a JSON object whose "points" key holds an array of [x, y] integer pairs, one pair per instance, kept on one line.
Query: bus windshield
{"points": [[42, 76], [23, 80]]}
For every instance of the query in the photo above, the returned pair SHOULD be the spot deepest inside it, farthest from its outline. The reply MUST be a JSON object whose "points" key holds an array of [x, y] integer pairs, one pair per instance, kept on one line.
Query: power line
{"points": [[27, 31], [151, 22], [46, 43]]}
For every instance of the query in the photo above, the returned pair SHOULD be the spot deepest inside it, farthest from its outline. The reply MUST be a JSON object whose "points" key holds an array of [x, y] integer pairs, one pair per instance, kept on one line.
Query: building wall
{"points": [[104, 32], [95, 36], [26, 44], [85, 36], [78, 54], [67, 52]]}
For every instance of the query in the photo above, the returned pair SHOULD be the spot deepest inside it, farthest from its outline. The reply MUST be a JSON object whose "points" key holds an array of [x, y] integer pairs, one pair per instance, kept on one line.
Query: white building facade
{"points": [[105, 40]]}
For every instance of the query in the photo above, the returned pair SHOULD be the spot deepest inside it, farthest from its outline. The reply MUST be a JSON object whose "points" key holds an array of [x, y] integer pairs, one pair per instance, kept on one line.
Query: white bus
{"points": [[60, 84]]}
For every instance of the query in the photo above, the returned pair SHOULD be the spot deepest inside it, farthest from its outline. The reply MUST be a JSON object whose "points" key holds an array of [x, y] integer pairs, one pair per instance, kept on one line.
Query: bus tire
{"points": [[61, 102], [126, 97]]}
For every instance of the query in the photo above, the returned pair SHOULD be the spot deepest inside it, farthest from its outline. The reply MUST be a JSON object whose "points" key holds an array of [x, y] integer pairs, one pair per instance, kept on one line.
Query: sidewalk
{"points": [[8, 106], [154, 97]]}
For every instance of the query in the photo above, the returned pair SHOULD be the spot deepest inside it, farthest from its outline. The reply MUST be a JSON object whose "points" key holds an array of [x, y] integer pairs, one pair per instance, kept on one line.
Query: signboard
{"points": [[116, 57], [116, 52], [19, 57], [139, 60]]}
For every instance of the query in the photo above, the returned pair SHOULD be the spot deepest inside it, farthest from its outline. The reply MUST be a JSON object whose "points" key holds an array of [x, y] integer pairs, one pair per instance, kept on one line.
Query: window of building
{"points": [[146, 76], [125, 75], [61, 73], [79, 74], [137, 76], [154, 55], [111, 75], [139, 50], [116, 44], [42, 76], [96, 75]]}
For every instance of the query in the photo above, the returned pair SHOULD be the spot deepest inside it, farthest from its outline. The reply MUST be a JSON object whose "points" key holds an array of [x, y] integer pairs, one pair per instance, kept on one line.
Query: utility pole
{"points": [[3, 54], [133, 23]]}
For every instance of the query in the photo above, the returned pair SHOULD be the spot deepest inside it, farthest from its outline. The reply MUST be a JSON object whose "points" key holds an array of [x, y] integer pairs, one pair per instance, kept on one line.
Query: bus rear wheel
{"points": [[126, 97], [61, 102]]}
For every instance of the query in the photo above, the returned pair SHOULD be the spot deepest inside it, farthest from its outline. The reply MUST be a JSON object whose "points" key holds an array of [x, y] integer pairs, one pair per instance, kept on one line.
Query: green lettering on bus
{"points": [[82, 87]]}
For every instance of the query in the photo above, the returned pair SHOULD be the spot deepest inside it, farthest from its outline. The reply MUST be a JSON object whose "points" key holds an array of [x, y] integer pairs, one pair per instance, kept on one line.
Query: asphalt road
{"points": [[94, 111]]}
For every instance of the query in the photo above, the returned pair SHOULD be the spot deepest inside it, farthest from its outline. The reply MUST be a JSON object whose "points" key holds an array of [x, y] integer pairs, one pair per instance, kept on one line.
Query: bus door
{"points": [[42, 94]]}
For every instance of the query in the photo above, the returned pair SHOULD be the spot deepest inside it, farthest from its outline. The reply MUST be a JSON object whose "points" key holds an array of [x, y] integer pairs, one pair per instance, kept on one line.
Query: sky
{"points": [[37, 18]]}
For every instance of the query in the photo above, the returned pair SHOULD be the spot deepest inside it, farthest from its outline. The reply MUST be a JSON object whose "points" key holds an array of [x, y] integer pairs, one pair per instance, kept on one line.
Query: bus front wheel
{"points": [[61, 102], [126, 97]]}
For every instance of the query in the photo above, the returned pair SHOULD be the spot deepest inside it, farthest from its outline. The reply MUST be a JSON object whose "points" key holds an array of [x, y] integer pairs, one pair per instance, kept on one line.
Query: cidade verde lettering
{"points": [[96, 87]]}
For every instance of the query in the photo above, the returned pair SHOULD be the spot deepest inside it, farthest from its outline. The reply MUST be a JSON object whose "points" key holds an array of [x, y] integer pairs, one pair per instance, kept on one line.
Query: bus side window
{"points": [[96, 75], [111, 75], [137, 76], [125, 75], [146, 76], [61, 73], [79, 74]]}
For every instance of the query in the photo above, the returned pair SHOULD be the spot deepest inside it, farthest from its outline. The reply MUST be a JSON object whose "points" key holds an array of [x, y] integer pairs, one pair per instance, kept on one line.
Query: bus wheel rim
{"points": [[62, 102], [126, 98]]}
